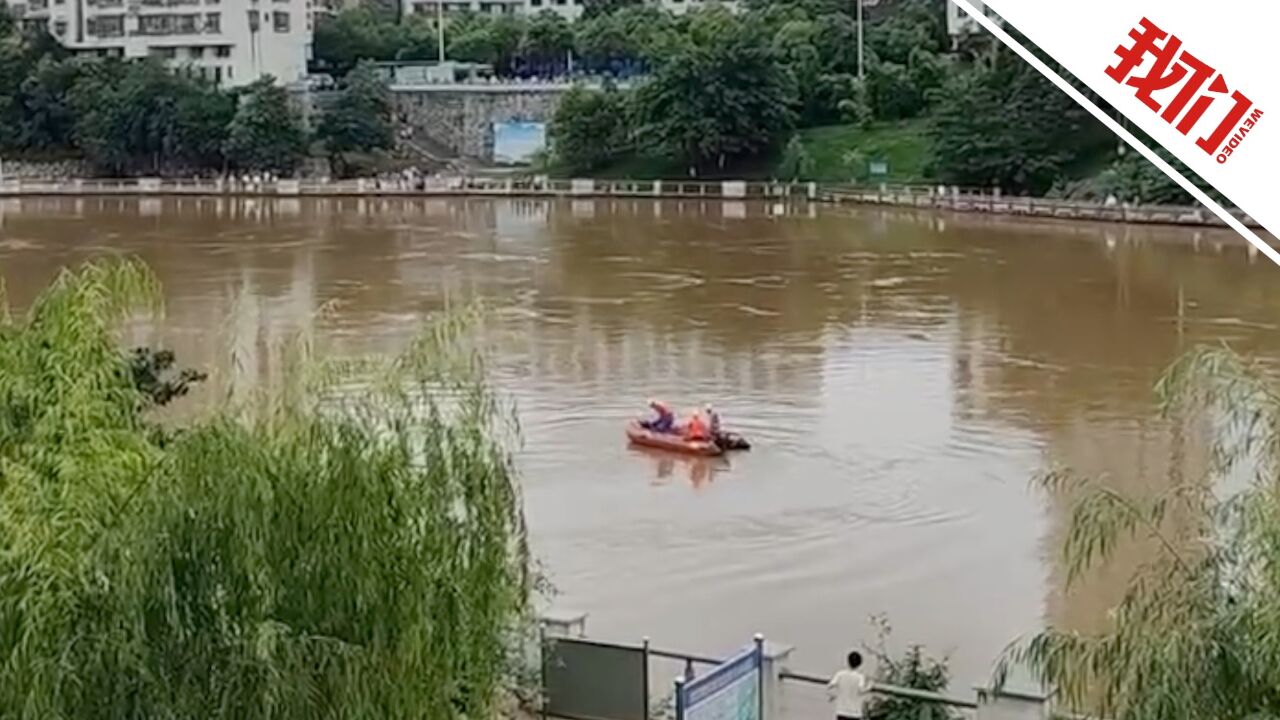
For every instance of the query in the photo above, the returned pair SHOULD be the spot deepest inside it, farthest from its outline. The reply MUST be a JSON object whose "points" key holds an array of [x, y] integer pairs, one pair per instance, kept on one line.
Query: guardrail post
{"points": [[679, 690], [776, 659], [564, 623]]}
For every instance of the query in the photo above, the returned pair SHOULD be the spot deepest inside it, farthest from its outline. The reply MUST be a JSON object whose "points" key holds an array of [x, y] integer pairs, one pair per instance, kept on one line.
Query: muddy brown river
{"points": [[902, 375]]}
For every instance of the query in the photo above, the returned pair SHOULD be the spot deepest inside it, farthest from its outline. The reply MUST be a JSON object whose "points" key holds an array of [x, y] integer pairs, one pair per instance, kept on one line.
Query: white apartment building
{"points": [[231, 42], [569, 9]]}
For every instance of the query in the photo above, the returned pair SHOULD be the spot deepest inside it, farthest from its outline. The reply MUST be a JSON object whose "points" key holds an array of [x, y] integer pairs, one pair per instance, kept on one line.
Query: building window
{"points": [[60, 28], [280, 20], [196, 52], [108, 26], [187, 24], [165, 53], [535, 3], [222, 51], [213, 23], [151, 24]]}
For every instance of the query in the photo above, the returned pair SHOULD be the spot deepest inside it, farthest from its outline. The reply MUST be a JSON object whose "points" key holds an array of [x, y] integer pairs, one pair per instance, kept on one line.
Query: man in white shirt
{"points": [[847, 689]]}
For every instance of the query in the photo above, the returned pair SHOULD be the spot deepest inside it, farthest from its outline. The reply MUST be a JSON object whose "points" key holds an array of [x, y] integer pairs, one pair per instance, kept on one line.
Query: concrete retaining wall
{"points": [[463, 120]]}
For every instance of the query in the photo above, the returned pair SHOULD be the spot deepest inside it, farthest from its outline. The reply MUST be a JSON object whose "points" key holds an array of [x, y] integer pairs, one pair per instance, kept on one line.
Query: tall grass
{"points": [[311, 554]]}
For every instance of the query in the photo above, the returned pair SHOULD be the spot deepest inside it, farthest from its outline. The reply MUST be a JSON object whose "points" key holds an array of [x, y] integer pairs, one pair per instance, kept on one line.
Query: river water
{"points": [[902, 375]]}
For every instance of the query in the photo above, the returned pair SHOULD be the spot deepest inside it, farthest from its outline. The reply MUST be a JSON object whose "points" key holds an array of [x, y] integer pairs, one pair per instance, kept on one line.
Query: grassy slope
{"points": [[904, 145]]}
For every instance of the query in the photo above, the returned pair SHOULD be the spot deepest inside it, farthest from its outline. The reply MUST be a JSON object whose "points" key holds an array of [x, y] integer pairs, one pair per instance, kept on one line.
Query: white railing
{"points": [[917, 196]]}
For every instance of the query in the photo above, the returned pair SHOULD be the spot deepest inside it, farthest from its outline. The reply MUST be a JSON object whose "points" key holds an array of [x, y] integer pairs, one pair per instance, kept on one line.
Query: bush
{"points": [[912, 669], [313, 553]]}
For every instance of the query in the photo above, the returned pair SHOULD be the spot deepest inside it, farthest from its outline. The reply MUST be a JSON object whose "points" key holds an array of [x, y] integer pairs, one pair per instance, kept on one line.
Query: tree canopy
{"points": [[722, 96], [266, 132], [360, 118]]}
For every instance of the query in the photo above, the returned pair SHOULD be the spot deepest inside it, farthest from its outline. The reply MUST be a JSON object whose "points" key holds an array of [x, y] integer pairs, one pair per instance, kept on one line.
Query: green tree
{"points": [[592, 9], [589, 129], [910, 25], [892, 92], [204, 116], [420, 40], [1194, 635], [548, 41], [361, 33], [48, 117], [7, 24], [138, 116], [470, 38], [360, 118], [315, 553], [266, 132], [1000, 122], [724, 96], [626, 40]]}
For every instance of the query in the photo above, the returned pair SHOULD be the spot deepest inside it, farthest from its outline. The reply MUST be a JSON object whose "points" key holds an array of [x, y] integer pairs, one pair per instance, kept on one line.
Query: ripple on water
{"points": [[19, 244], [666, 282], [761, 281], [754, 311]]}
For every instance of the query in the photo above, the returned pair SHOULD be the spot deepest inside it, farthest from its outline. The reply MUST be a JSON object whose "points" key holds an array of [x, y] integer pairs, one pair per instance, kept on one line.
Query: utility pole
{"points": [[862, 62], [440, 30]]}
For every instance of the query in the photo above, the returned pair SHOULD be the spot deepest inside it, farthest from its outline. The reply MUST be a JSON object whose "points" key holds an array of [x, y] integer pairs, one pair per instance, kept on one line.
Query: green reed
{"points": [[312, 553]]}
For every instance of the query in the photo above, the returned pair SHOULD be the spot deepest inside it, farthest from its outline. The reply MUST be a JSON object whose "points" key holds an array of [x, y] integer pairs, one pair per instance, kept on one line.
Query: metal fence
{"points": [[988, 201], [594, 680], [429, 185], [914, 196], [587, 680], [804, 696]]}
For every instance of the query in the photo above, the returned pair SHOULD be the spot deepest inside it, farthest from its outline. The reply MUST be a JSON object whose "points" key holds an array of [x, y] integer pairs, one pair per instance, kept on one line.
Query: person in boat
{"points": [[663, 420], [696, 429], [713, 421]]}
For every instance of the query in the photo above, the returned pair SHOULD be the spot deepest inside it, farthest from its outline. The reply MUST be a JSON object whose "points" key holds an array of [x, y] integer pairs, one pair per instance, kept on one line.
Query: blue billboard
{"points": [[731, 691], [516, 143]]}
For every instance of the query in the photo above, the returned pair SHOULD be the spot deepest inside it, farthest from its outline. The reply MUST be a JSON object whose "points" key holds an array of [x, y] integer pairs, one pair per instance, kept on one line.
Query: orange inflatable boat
{"points": [[671, 441]]}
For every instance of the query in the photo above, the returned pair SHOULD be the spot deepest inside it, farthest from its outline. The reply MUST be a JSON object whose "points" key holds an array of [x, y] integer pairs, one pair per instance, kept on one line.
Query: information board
{"points": [[516, 143], [731, 691]]}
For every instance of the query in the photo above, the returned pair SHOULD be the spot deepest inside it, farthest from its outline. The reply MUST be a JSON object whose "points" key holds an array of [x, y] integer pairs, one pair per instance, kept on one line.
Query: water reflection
{"points": [[900, 374]]}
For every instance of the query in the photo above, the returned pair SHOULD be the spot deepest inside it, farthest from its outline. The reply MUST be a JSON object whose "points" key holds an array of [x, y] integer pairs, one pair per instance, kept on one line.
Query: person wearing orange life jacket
{"points": [[696, 429], [663, 420]]}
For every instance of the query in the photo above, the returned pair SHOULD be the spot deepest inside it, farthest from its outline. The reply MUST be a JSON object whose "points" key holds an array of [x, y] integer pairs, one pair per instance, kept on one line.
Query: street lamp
{"points": [[440, 30], [862, 64]]}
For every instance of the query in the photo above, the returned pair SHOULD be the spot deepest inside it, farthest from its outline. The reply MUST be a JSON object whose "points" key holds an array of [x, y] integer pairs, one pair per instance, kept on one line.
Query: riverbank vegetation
{"points": [[1194, 635], [132, 117], [775, 90], [923, 111], [311, 553]]}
